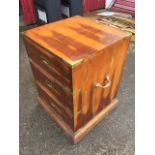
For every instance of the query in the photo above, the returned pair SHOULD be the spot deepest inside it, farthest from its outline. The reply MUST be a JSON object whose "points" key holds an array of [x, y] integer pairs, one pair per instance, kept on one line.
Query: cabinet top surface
{"points": [[75, 38]]}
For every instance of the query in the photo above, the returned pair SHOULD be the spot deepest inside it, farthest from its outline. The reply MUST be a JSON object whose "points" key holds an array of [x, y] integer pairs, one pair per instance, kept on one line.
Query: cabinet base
{"points": [[78, 135]]}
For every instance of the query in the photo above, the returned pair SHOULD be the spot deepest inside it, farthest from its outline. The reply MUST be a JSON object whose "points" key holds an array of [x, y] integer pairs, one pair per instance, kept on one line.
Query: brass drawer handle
{"points": [[45, 61], [105, 86], [49, 85]]}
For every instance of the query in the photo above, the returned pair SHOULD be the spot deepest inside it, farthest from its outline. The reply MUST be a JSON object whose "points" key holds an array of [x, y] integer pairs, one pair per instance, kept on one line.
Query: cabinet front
{"points": [[53, 81]]}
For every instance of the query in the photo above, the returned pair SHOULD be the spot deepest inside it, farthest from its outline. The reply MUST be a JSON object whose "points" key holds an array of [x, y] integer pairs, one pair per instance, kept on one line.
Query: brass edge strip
{"points": [[72, 63]]}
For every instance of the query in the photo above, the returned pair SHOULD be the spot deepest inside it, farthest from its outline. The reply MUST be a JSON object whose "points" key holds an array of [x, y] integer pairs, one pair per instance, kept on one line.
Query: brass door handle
{"points": [[107, 78]]}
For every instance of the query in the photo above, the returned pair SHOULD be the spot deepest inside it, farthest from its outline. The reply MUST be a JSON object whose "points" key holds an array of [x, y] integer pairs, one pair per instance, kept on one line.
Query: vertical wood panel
{"points": [[109, 62]]}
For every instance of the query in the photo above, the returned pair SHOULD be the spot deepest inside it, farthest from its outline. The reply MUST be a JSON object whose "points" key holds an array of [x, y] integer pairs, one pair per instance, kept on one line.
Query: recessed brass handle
{"points": [[49, 85], [45, 61], [107, 78]]}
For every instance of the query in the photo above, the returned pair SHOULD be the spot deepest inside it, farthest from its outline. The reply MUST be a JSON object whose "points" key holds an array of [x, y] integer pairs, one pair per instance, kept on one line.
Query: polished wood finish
{"points": [[75, 38], [77, 65]]}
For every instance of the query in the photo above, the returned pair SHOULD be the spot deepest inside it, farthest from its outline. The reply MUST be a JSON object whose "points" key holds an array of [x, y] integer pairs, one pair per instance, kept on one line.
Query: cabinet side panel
{"points": [[120, 57], [89, 100]]}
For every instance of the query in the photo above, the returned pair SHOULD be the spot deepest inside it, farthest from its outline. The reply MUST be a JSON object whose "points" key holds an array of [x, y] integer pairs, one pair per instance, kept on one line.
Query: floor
{"points": [[39, 135]]}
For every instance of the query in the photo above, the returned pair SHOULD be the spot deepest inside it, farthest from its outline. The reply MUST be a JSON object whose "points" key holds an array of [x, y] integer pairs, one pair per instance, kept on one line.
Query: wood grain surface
{"points": [[75, 38], [77, 65], [90, 100]]}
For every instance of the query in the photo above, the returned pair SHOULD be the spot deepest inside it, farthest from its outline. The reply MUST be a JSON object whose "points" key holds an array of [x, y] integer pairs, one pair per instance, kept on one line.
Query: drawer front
{"points": [[62, 93], [50, 63], [64, 112]]}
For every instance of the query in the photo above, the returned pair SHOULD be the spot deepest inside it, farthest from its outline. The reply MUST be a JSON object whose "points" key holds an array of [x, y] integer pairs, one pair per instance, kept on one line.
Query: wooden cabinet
{"points": [[77, 65]]}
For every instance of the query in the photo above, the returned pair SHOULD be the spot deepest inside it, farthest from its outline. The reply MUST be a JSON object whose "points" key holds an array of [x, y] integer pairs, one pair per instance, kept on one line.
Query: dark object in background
{"points": [[52, 10], [48, 10], [71, 7]]}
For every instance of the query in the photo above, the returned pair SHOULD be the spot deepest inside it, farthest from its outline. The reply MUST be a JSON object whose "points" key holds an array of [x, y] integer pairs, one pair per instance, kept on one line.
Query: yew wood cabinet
{"points": [[77, 65]]}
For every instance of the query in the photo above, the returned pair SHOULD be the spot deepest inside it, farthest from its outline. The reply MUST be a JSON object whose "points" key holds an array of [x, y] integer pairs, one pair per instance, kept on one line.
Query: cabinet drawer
{"points": [[57, 106], [49, 62], [61, 92]]}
